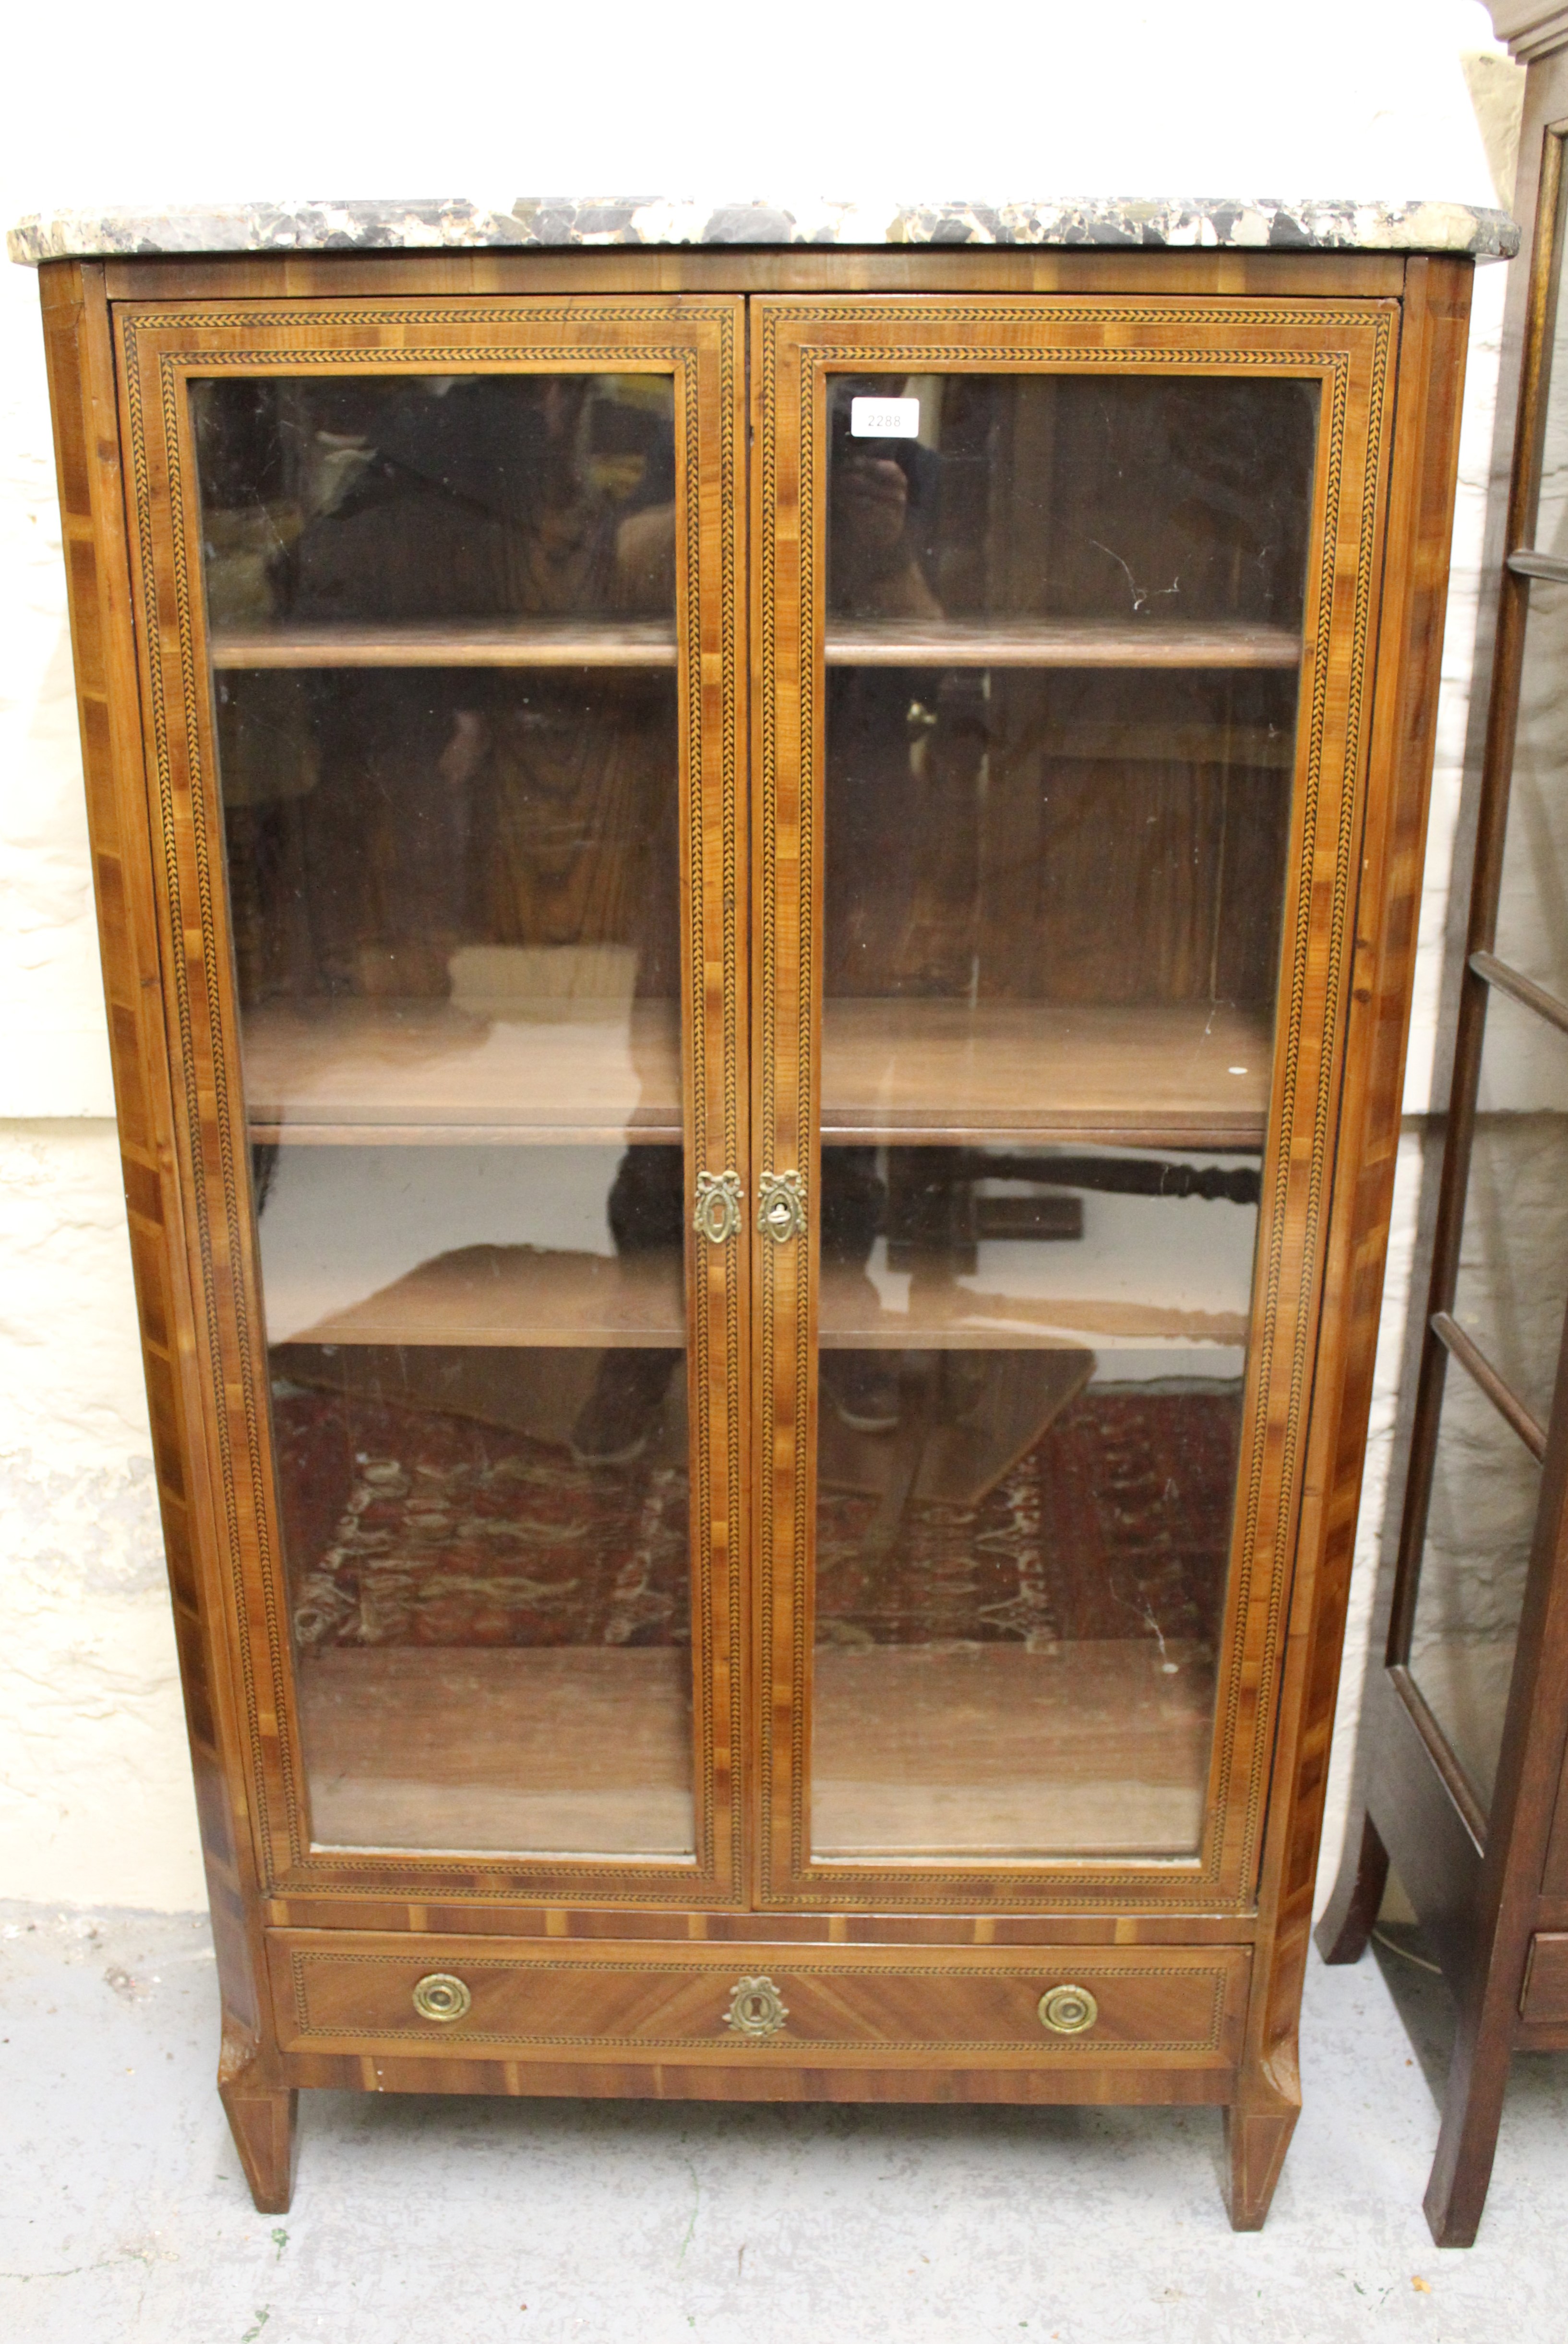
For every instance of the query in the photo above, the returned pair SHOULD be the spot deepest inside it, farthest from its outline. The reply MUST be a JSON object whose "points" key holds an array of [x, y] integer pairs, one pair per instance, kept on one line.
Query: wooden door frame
{"points": [[1350, 350], [159, 350]]}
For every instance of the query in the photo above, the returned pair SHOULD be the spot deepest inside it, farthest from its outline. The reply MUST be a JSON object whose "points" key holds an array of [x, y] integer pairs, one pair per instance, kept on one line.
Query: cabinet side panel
{"points": [[1422, 479], [82, 394]]}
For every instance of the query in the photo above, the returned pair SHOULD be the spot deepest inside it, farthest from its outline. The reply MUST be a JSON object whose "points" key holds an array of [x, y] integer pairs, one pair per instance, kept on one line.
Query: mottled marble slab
{"points": [[1232, 222]]}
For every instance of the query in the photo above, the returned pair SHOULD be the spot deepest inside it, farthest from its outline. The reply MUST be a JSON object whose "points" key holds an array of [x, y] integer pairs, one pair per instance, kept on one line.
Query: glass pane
{"points": [[1532, 907], [441, 611], [1063, 642], [1532, 896], [1486, 1490], [1552, 511], [1512, 1283]]}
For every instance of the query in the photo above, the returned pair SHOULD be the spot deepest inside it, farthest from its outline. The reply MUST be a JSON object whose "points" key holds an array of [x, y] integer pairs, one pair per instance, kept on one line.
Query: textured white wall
{"points": [[1366, 99]]}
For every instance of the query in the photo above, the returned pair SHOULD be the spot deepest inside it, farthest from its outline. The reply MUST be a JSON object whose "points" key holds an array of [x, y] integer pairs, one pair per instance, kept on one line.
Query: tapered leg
{"points": [[1471, 2112], [261, 2114], [1257, 2131], [1346, 1924]]}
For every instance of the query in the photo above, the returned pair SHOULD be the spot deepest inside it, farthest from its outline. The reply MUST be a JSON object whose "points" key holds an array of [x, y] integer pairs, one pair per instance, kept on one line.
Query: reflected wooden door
{"points": [[1062, 625], [440, 612]]}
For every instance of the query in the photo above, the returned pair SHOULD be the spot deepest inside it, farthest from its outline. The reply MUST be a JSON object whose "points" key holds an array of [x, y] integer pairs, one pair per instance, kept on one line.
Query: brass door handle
{"points": [[720, 1198], [1068, 2010], [443, 1997], [781, 1206]]}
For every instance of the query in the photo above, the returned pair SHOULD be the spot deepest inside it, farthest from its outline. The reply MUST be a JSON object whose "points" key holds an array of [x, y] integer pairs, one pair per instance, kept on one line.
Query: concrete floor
{"points": [[123, 2215]]}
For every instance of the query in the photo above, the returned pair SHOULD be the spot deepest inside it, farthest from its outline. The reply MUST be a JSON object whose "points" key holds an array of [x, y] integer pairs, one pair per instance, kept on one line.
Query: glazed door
{"points": [[1062, 631], [439, 604]]}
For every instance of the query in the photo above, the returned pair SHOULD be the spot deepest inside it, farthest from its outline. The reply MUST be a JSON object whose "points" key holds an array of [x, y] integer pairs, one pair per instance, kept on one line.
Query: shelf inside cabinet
{"points": [[1059, 642], [406, 1072], [1186, 1075], [938, 1313], [1093, 1747], [849, 642], [567, 1749], [447, 643], [521, 1296], [898, 1072], [485, 1295]]}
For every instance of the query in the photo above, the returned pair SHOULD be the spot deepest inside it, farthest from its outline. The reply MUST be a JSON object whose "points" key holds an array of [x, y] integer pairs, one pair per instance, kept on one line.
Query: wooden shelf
{"points": [[490, 1295], [1091, 1748], [578, 1750], [849, 643], [404, 1073], [907, 1072], [923, 1753], [1057, 643], [941, 1315], [520, 1297], [451, 642]]}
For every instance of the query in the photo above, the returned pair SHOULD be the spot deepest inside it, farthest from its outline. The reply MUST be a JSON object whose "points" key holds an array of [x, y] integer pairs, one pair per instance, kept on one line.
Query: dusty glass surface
{"points": [[441, 615], [1532, 894], [1486, 1490], [1062, 645], [1509, 1295], [1512, 1286]]}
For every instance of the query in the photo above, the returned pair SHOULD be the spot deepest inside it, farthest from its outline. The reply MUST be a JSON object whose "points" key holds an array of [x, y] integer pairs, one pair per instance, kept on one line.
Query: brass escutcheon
{"points": [[441, 1997], [1068, 2009], [756, 2007], [719, 1199], [781, 1206]]}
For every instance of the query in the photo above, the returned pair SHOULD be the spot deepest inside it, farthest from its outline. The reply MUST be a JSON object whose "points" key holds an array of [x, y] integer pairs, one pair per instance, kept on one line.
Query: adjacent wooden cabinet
{"points": [[758, 911]]}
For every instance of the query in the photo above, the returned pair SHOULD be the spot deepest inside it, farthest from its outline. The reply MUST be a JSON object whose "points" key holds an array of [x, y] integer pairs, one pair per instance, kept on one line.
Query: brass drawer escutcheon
{"points": [[781, 1206], [720, 1196], [1068, 2010], [441, 1997], [756, 2007]]}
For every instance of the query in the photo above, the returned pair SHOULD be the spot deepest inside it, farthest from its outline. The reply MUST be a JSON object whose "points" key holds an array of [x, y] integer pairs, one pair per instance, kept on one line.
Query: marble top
{"points": [[1234, 223]]}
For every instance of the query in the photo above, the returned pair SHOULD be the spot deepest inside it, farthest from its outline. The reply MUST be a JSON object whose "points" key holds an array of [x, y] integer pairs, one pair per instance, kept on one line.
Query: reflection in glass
{"points": [[440, 612], [1063, 635], [1480, 1523], [1512, 1285], [1532, 895]]}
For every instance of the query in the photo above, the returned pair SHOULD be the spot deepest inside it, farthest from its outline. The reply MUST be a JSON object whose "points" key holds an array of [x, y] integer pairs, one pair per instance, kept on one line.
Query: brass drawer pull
{"points": [[781, 1206], [719, 1199], [756, 2007], [1068, 2010], [443, 1997]]}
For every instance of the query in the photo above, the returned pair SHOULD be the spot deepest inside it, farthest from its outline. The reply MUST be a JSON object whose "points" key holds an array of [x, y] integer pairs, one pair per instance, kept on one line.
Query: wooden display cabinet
{"points": [[1460, 1767], [757, 908]]}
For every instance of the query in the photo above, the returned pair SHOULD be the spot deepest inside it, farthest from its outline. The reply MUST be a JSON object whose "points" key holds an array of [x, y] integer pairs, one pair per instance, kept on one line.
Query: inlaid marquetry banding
{"points": [[161, 349], [829, 334], [780, 2041]]}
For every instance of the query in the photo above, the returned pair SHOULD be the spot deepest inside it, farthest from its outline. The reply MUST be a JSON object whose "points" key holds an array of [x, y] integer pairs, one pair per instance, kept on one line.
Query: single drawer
{"points": [[456, 1996]]}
